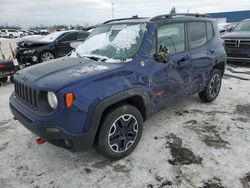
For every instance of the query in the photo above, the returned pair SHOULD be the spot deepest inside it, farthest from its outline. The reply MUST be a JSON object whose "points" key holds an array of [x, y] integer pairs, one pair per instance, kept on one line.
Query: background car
{"points": [[52, 46], [11, 33], [237, 42]]}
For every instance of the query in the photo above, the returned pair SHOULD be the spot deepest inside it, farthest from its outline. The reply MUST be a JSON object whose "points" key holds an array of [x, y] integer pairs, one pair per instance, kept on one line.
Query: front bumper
{"points": [[24, 58], [54, 134], [238, 54]]}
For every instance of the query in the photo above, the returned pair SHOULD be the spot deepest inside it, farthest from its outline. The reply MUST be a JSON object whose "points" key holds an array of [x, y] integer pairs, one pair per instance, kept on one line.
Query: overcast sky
{"points": [[28, 13]]}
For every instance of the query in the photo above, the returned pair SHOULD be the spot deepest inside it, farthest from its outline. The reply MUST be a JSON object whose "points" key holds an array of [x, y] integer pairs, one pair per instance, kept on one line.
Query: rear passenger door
{"points": [[199, 34]]}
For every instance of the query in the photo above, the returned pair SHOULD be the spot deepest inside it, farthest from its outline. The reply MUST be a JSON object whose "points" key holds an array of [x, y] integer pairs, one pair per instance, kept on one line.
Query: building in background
{"points": [[231, 17]]}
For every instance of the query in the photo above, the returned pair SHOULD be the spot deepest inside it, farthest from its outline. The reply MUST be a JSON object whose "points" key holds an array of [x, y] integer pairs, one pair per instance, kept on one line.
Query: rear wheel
{"points": [[46, 56], [11, 36], [120, 132], [213, 87]]}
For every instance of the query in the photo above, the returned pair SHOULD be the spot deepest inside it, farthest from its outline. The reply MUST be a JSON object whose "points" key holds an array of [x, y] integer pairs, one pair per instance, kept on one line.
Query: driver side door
{"points": [[169, 81]]}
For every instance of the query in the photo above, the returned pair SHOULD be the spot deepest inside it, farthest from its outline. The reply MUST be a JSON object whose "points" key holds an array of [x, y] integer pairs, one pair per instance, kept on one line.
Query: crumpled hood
{"points": [[58, 73], [236, 35], [31, 43]]}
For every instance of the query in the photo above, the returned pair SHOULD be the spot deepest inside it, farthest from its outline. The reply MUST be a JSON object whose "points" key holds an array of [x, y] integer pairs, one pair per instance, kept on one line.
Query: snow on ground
{"points": [[190, 144]]}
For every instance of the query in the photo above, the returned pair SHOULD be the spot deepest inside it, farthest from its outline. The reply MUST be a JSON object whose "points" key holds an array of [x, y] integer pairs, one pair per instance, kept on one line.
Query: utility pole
{"points": [[112, 10]]}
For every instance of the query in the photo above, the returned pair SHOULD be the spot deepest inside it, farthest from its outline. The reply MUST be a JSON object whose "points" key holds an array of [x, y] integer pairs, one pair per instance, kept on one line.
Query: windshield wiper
{"points": [[95, 58]]}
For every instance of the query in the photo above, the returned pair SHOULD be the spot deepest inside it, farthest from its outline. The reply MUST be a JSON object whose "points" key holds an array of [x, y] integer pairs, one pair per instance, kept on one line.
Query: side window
{"points": [[197, 34], [210, 31], [68, 37], [82, 35], [172, 36]]}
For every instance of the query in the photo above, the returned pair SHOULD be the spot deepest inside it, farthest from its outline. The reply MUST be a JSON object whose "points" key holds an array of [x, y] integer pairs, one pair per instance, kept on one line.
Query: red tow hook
{"points": [[40, 141], [14, 118]]}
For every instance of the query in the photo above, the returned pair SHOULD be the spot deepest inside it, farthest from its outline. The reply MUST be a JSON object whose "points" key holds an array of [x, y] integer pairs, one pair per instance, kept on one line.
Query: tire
{"points": [[213, 87], [21, 35], [120, 132], [4, 79], [11, 36], [46, 56]]}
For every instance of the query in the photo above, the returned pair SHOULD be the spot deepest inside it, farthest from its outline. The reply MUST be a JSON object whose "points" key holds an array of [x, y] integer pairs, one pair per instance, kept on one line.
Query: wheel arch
{"points": [[136, 97], [220, 65]]}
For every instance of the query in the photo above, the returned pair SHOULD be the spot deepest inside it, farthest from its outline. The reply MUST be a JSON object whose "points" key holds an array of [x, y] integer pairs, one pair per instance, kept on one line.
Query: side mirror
{"points": [[162, 55], [230, 28]]}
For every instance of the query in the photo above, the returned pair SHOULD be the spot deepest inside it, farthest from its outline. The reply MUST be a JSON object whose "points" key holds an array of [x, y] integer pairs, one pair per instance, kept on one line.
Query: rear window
{"points": [[197, 34]]}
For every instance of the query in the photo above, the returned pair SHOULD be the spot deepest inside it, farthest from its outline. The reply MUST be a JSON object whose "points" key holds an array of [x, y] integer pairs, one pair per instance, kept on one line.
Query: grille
{"points": [[238, 55], [26, 94], [230, 43], [245, 43], [237, 43]]}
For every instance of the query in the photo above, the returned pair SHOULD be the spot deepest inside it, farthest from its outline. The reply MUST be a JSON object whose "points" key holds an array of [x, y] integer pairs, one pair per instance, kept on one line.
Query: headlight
{"points": [[52, 99], [29, 51]]}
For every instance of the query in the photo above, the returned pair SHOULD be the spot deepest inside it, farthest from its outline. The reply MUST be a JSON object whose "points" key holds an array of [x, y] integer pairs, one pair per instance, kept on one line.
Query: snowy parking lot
{"points": [[190, 144]]}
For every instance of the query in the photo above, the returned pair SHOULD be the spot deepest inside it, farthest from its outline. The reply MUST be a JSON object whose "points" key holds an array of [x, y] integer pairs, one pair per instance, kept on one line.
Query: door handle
{"points": [[183, 59]]}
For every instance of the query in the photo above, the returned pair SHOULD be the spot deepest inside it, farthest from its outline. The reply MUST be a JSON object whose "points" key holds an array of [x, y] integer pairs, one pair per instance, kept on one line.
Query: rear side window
{"points": [[3, 30], [197, 34], [82, 35], [172, 36], [210, 31], [68, 37]]}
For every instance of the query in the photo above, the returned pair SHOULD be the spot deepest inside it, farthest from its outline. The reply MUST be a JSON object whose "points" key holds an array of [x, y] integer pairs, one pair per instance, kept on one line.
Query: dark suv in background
{"points": [[237, 42], [52, 46], [126, 71]]}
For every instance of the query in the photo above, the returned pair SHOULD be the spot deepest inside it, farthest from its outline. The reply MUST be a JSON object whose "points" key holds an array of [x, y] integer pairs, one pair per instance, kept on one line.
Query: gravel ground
{"points": [[190, 144]]}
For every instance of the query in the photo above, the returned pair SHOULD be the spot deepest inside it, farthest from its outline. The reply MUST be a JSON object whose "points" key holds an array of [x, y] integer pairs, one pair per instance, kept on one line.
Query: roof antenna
{"points": [[188, 11], [172, 12]]}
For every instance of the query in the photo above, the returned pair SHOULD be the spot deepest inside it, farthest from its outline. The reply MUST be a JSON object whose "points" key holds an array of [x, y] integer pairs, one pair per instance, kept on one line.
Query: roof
{"points": [[164, 17]]}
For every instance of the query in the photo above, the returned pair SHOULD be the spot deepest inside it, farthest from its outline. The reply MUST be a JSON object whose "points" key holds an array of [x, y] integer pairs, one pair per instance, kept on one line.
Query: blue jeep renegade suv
{"points": [[125, 71]]}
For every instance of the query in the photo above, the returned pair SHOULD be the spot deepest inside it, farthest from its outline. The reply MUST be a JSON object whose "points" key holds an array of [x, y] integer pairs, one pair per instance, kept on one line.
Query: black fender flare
{"points": [[97, 110]]}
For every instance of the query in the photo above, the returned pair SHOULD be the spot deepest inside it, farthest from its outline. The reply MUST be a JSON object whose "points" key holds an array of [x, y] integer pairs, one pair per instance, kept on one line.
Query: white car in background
{"points": [[11, 33]]}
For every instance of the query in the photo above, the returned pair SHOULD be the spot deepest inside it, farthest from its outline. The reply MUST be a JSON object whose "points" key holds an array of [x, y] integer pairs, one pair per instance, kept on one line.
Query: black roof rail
{"points": [[166, 16], [121, 19]]}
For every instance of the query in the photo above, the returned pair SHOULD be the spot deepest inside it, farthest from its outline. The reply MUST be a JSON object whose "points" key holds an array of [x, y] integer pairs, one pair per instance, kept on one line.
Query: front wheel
{"points": [[120, 132], [213, 87], [46, 56]]}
